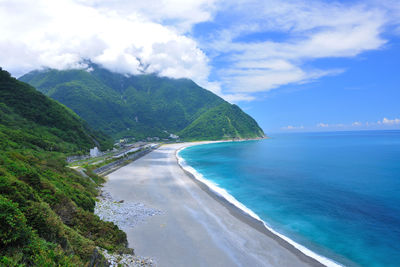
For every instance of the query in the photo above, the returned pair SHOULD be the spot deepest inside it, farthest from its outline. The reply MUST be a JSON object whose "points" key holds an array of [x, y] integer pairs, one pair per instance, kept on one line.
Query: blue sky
{"points": [[366, 92], [360, 86], [294, 65]]}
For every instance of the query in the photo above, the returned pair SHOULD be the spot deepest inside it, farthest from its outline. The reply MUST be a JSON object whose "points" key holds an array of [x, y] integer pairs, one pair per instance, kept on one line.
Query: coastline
{"points": [[196, 227], [245, 214]]}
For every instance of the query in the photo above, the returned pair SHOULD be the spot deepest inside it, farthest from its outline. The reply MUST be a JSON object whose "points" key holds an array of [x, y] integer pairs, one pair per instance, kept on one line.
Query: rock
{"points": [[97, 259], [123, 213], [126, 259]]}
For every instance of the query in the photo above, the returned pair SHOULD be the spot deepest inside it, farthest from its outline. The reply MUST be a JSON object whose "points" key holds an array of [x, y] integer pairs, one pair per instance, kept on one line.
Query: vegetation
{"points": [[141, 105], [46, 209], [24, 108], [226, 121]]}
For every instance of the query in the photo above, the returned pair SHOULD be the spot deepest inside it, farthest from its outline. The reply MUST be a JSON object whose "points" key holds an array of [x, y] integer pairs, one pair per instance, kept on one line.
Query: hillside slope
{"points": [[224, 120], [46, 209], [44, 115], [138, 105]]}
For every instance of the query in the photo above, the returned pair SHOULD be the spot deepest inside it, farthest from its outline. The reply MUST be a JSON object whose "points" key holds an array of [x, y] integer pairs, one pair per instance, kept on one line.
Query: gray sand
{"points": [[194, 228]]}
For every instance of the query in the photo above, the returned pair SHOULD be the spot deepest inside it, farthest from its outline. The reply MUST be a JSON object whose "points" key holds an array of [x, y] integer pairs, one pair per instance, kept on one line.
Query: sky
{"points": [[305, 65]]}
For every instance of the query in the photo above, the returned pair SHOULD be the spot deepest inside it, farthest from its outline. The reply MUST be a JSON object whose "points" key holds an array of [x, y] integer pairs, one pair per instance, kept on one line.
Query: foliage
{"points": [[22, 108], [46, 209], [225, 121], [138, 105], [13, 221]]}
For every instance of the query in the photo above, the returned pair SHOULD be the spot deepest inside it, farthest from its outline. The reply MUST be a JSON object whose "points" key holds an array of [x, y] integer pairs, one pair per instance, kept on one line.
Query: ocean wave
{"points": [[231, 199]]}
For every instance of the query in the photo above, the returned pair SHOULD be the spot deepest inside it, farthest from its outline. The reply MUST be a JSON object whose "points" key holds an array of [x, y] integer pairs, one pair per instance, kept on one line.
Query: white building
{"points": [[173, 136], [95, 152]]}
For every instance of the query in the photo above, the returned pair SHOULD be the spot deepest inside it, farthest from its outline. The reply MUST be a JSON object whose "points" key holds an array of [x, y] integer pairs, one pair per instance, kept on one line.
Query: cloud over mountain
{"points": [[59, 34], [229, 57]]}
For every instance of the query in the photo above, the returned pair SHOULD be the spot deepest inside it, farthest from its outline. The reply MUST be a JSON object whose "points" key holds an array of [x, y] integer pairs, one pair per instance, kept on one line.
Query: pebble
{"points": [[123, 260], [125, 214]]}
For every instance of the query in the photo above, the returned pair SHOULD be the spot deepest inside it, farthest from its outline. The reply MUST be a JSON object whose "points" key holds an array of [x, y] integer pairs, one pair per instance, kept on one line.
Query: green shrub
{"points": [[47, 224], [104, 234], [14, 230], [17, 191], [41, 253]]}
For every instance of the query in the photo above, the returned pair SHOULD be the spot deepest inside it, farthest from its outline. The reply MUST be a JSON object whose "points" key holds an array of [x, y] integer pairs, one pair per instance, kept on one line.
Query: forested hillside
{"points": [[46, 209], [25, 111], [141, 105], [224, 120]]}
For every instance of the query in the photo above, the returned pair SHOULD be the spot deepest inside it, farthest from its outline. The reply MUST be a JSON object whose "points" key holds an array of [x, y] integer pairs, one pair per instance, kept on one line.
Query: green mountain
{"points": [[46, 209], [28, 111], [224, 121], [144, 105]]}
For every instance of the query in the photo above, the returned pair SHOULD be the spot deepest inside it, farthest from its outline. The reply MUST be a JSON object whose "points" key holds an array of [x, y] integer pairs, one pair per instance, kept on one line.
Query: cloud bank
{"points": [[385, 123], [157, 36], [59, 34]]}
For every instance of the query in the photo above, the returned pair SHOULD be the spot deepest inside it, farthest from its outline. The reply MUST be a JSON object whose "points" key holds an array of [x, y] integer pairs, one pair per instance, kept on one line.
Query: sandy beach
{"points": [[195, 226]]}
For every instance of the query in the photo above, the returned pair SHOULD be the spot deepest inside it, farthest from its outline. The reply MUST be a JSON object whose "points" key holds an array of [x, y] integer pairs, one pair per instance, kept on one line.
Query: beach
{"points": [[194, 226]]}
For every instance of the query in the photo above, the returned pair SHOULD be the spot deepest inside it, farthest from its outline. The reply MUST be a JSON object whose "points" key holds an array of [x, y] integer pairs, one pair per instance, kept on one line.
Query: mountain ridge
{"points": [[139, 105], [25, 103]]}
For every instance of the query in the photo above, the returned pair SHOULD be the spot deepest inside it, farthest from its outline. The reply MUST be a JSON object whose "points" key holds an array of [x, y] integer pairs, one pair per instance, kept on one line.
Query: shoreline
{"points": [[199, 226], [243, 213]]}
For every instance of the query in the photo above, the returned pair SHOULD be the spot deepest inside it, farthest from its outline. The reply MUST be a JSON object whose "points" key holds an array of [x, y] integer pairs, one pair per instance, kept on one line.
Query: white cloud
{"points": [[310, 29], [156, 36], [291, 127], [234, 98], [59, 34], [386, 121], [323, 125], [250, 80], [326, 125], [179, 14]]}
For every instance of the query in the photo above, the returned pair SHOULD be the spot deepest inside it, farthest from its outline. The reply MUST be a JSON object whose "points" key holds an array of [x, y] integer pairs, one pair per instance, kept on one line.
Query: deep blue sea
{"points": [[337, 194]]}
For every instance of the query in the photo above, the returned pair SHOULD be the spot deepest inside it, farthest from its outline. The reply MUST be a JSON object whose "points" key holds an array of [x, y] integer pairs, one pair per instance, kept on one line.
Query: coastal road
{"points": [[195, 228]]}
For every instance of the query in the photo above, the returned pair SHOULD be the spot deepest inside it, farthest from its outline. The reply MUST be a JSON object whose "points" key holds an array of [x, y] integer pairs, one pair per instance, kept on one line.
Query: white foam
{"points": [[223, 193]]}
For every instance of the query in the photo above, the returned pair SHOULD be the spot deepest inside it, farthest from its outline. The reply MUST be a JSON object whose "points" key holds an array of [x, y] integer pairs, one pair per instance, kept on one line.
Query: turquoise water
{"points": [[337, 194]]}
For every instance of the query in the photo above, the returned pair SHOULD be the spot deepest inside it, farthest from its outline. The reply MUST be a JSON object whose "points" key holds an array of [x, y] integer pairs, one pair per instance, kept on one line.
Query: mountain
{"points": [[46, 209], [224, 120], [25, 111], [144, 105]]}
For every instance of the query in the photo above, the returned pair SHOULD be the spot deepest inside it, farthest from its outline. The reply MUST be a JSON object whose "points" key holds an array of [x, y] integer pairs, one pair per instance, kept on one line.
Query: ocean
{"points": [[336, 194]]}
